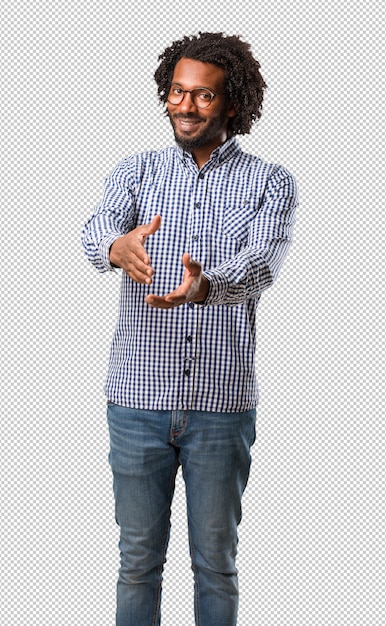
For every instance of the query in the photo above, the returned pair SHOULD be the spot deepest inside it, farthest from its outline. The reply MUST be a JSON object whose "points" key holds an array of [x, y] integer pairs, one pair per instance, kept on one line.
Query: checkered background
{"points": [[77, 94]]}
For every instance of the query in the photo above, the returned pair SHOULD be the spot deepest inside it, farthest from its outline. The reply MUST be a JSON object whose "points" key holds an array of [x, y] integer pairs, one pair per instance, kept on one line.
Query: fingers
{"points": [[160, 302], [128, 252], [149, 229], [142, 269], [175, 298], [194, 267], [193, 287], [139, 269]]}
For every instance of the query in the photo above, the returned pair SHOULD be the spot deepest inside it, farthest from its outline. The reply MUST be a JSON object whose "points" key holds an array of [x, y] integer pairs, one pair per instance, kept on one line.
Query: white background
{"points": [[77, 94]]}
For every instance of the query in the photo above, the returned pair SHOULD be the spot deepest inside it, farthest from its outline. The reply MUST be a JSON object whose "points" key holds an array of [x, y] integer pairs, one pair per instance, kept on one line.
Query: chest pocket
{"points": [[237, 220]]}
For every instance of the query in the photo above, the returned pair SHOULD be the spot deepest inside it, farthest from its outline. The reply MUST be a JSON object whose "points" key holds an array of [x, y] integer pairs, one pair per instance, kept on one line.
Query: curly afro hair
{"points": [[244, 84]]}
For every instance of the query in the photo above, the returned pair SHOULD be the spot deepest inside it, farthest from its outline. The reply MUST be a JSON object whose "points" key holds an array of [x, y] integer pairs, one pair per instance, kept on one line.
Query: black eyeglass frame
{"points": [[192, 91]]}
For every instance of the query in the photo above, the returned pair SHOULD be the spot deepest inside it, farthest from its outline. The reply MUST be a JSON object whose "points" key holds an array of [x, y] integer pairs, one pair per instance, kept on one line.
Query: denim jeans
{"points": [[146, 449]]}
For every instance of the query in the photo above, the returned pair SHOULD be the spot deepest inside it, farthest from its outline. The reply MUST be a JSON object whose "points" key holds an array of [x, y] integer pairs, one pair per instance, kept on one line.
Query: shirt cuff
{"points": [[104, 250], [217, 287]]}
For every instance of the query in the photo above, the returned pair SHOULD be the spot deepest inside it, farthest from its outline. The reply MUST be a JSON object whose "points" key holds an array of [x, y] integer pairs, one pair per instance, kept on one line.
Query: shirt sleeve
{"points": [[257, 266], [112, 218]]}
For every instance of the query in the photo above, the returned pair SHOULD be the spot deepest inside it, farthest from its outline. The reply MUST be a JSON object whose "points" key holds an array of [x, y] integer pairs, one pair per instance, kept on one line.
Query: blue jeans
{"points": [[146, 449]]}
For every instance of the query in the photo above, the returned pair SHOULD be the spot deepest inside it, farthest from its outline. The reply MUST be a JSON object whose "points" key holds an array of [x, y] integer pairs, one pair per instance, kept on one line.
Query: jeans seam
{"points": [[196, 586], [165, 542]]}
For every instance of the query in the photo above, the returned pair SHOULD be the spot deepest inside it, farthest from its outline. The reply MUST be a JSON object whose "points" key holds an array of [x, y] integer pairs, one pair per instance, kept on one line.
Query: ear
{"points": [[232, 109]]}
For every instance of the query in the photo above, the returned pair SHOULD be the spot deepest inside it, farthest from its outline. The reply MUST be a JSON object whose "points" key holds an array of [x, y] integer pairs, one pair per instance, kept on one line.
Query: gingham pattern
{"points": [[312, 547], [236, 217]]}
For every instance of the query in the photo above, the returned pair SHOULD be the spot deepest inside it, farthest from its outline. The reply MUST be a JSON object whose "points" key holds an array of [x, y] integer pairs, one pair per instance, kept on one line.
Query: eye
{"points": [[176, 90], [204, 95]]}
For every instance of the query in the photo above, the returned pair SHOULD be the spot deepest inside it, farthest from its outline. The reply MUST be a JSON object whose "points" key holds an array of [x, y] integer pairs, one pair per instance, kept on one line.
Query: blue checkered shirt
{"points": [[235, 216]]}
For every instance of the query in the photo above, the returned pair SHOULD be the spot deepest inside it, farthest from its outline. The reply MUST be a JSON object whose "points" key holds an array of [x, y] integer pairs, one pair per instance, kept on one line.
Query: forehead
{"points": [[190, 74]]}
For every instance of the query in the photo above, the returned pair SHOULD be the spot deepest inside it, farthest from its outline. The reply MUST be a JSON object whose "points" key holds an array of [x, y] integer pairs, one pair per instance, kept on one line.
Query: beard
{"points": [[207, 134]]}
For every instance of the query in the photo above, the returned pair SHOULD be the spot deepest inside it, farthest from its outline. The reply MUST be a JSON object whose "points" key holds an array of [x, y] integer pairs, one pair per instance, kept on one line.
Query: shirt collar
{"points": [[221, 154]]}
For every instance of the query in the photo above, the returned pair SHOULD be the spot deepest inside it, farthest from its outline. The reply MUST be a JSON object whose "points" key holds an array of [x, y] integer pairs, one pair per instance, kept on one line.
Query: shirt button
{"points": [[195, 237], [201, 175], [189, 338], [198, 205], [187, 372], [190, 305]]}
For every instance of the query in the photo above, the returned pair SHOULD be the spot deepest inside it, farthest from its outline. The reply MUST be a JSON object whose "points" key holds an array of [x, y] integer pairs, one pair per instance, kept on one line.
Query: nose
{"points": [[187, 103]]}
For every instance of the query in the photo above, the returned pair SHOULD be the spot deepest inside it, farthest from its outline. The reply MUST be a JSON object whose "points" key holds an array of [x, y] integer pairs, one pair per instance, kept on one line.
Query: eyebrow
{"points": [[200, 87]]}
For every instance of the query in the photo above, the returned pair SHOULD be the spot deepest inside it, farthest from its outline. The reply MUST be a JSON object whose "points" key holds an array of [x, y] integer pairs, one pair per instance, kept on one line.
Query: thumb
{"points": [[150, 229], [190, 264]]}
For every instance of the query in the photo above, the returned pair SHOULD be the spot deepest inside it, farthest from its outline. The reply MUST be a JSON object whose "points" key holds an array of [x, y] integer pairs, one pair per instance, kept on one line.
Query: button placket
{"points": [[197, 204], [189, 353]]}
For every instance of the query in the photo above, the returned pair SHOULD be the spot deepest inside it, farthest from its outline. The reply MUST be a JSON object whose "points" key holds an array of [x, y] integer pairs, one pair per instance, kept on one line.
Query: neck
{"points": [[201, 157], [202, 154]]}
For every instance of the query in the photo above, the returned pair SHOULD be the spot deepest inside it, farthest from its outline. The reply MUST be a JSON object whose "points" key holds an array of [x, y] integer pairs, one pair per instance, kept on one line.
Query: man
{"points": [[181, 385]]}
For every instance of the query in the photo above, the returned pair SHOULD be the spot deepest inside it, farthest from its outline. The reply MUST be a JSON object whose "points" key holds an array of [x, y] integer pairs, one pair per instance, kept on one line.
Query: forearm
{"points": [[111, 219], [257, 265], [247, 275], [96, 243]]}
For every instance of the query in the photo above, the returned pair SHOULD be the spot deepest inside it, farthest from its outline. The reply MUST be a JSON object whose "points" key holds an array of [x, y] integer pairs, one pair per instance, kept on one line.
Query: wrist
{"points": [[203, 291], [114, 255]]}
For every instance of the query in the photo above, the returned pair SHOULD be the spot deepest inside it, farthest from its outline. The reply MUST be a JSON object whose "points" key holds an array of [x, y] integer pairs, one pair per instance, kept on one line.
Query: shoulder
{"points": [[148, 159], [264, 173], [272, 180], [258, 164], [135, 167]]}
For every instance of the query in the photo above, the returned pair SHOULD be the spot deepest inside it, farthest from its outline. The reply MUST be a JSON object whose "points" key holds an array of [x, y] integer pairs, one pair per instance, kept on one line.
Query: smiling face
{"points": [[198, 130]]}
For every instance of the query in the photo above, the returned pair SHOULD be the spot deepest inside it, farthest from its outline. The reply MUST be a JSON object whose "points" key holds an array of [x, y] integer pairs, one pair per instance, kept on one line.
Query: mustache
{"points": [[188, 116]]}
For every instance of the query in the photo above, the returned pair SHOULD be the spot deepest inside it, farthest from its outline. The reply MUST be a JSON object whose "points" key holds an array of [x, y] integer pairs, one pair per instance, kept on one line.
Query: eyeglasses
{"points": [[201, 97]]}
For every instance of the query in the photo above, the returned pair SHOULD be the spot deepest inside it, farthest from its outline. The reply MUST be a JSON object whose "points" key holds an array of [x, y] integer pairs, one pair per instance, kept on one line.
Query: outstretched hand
{"points": [[194, 287], [128, 252]]}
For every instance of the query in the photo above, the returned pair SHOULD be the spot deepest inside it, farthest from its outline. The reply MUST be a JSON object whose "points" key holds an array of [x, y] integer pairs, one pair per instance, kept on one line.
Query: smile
{"points": [[187, 123]]}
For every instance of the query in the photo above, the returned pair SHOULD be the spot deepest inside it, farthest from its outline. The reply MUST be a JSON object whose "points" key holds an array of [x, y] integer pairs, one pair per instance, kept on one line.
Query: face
{"points": [[196, 128]]}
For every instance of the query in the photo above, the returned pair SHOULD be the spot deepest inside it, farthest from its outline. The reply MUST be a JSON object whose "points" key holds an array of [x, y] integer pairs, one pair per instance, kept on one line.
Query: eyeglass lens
{"points": [[201, 97]]}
